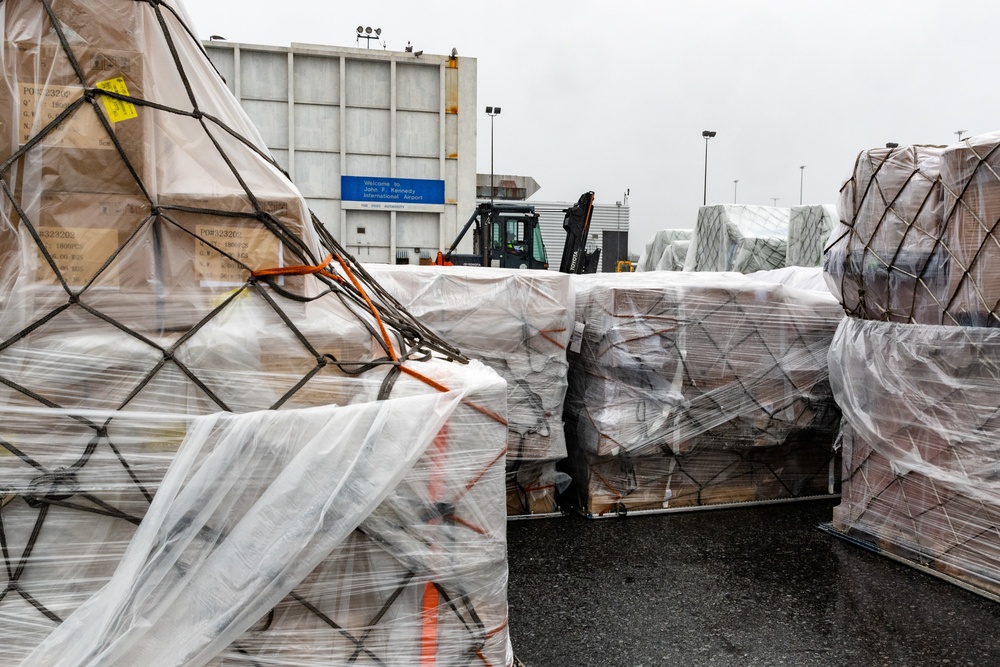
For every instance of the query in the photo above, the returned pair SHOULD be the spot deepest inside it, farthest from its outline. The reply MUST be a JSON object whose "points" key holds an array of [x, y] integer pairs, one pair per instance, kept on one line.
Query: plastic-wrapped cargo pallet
{"points": [[666, 251], [744, 239], [699, 388], [916, 248], [519, 323], [220, 441], [885, 260], [809, 230]]}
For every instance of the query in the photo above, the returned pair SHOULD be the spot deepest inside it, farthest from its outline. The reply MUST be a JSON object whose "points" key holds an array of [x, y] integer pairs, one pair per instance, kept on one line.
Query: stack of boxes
{"points": [[519, 323], [698, 388], [916, 249], [128, 311]]}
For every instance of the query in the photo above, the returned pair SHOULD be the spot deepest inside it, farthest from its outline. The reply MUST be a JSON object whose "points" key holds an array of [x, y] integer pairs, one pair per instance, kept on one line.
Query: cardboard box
{"points": [[79, 154], [100, 245], [209, 245]]}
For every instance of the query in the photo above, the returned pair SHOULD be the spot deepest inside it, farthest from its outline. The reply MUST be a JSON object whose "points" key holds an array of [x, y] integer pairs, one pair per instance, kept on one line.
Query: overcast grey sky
{"points": [[612, 96]]}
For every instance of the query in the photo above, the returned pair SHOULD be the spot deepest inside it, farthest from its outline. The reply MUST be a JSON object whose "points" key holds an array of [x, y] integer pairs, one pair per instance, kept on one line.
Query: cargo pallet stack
{"points": [[220, 441], [694, 389], [519, 323], [666, 251], [915, 262]]}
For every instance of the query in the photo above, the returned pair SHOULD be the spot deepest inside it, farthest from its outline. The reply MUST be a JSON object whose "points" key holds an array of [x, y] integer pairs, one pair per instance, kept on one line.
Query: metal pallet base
{"points": [[876, 549], [619, 514], [529, 517]]}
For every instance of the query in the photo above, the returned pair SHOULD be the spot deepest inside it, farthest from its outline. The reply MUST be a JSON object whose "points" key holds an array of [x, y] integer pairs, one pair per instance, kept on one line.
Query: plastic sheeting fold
{"points": [[920, 445]]}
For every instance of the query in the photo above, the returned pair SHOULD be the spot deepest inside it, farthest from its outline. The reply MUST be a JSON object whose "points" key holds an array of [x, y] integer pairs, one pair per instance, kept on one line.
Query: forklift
{"points": [[509, 236]]}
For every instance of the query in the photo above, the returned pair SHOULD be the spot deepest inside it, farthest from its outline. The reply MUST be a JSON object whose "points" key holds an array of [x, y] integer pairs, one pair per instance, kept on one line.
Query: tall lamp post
{"points": [[960, 133], [802, 176], [735, 181], [492, 112], [708, 134]]}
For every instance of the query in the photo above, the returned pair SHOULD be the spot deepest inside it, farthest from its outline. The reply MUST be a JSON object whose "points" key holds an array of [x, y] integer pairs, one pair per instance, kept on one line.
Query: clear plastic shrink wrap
{"points": [[809, 230], [694, 388], [519, 323], [885, 260], [920, 443], [220, 441], [666, 251], [744, 239]]}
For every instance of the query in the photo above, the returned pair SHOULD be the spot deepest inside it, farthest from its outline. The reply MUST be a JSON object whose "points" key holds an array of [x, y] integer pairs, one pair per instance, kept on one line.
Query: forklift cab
{"points": [[516, 242]]}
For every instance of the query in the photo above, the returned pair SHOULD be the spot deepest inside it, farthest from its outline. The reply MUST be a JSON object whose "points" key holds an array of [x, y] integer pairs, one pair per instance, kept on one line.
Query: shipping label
{"points": [[255, 247], [118, 110], [40, 105], [78, 252]]}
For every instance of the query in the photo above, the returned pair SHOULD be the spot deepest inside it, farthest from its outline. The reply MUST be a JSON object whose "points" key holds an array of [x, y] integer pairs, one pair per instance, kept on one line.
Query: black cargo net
{"points": [[160, 333], [918, 237]]}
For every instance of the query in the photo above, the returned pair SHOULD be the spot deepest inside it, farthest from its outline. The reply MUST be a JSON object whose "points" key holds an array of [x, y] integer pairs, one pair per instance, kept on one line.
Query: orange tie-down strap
{"points": [[321, 269], [543, 333]]}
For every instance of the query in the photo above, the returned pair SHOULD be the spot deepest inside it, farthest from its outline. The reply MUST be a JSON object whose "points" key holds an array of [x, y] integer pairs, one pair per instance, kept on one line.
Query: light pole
{"points": [[492, 112], [802, 176], [774, 201], [708, 134], [735, 181], [960, 133]]}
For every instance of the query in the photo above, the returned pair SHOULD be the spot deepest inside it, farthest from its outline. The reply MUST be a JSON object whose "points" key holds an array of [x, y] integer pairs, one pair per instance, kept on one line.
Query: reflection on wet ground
{"points": [[747, 587]]}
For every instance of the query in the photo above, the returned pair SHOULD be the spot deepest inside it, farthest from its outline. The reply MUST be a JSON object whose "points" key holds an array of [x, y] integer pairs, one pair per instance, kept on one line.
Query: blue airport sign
{"points": [[400, 194]]}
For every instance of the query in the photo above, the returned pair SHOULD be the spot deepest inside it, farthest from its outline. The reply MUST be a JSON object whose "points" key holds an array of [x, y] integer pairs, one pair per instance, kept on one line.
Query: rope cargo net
{"points": [[222, 442], [518, 323], [687, 386], [918, 235]]}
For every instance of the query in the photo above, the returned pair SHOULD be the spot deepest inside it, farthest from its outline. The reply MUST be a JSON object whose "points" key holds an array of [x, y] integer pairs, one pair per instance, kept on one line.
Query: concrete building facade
{"points": [[382, 144]]}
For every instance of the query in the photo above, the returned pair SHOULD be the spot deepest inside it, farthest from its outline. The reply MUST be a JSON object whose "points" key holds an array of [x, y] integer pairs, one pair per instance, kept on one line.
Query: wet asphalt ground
{"points": [[750, 586]]}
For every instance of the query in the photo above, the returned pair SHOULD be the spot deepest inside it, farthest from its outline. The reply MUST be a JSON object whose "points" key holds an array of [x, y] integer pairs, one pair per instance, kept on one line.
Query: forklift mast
{"points": [[575, 258]]}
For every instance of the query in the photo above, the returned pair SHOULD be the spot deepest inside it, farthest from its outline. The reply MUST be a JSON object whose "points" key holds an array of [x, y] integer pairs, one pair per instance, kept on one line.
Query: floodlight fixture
{"points": [[708, 134]]}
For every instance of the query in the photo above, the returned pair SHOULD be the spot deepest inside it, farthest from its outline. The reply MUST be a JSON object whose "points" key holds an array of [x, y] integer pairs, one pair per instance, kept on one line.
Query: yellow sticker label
{"points": [[118, 110]]}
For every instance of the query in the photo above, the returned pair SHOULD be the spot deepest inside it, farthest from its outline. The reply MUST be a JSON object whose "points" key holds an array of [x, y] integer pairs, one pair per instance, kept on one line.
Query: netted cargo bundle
{"points": [[921, 444], [666, 251], [221, 441], [885, 260], [971, 203], [679, 364], [517, 322], [744, 239], [809, 230]]}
